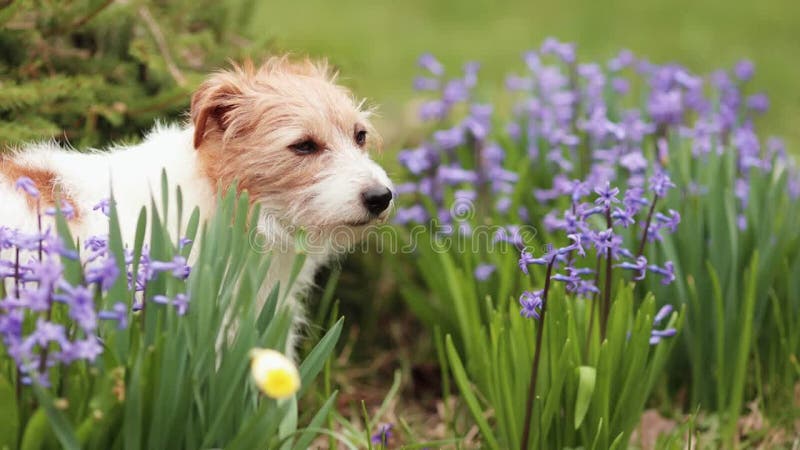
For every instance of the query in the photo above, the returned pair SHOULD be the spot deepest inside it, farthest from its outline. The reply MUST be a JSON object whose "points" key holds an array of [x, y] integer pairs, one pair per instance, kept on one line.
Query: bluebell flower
{"points": [[531, 304], [484, 271], [104, 206], [429, 62], [178, 267], [640, 267], [118, 313], [382, 434], [667, 272], [744, 69], [28, 186]]}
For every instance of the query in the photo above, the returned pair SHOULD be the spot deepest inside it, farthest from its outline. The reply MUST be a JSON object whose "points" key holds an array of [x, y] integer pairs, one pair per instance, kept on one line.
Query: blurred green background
{"points": [[376, 43]]}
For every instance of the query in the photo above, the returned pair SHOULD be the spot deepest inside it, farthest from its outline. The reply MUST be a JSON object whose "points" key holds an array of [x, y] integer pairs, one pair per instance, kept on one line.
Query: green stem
{"points": [[526, 431]]}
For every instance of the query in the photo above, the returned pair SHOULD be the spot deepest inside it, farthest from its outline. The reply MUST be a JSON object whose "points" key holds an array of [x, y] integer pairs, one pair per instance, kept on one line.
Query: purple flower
{"points": [[104, 206], [66, 209], [484, 271], [657, 335], [416, 214], [660, 184], [426, 84], [640, 267], [623, 217], [606, 196], [531, 304], [563, 50], [382, 435], [662, 314], [118, 313], [758, 103], [667, 272], [177, 266], [180, 302], [428, 62], [577, 245], [456, 175], [744, 69], [102, 271], [606, 240], [81, 305], [88, 349], [27, 185]]}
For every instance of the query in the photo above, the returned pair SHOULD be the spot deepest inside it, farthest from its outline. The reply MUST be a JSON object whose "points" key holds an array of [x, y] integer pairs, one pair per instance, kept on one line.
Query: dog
{"points": [[285, 132]]}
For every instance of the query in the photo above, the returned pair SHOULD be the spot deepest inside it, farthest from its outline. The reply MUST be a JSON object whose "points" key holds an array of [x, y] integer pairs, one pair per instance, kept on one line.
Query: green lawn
{"points": [[376, 43]]}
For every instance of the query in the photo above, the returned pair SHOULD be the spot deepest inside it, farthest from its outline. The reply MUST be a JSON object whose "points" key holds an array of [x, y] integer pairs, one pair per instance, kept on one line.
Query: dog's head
{"points": [[295, 140]]}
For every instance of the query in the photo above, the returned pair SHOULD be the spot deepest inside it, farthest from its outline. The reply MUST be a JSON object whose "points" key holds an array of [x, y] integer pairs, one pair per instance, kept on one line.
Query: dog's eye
{"points": [[361, 138], [306, 147]]}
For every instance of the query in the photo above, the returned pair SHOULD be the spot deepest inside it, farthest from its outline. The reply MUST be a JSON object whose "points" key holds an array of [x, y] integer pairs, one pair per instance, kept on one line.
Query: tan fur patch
{"points": [[45, 181]]}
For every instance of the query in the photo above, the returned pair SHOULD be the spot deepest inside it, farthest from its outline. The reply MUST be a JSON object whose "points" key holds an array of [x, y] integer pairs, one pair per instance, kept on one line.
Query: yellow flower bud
{"points": [[274, 374]]}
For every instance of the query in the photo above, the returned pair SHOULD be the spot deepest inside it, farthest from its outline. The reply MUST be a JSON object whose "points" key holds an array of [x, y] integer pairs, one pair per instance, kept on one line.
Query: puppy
{"points": [[292, 138]]}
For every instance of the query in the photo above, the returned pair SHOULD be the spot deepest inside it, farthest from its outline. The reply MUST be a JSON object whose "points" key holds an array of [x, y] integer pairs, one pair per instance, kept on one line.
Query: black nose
{"points": [[376, 199]]}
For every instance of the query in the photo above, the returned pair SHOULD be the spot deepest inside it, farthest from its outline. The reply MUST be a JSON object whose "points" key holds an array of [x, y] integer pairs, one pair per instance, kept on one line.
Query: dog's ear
{"points": [[213, 102]]}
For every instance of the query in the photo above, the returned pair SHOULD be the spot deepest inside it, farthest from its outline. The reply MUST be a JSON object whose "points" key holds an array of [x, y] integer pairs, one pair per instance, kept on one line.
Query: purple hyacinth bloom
{"points": [[433, 110], [416, 160], [640, 267], [104, 206], [511, 234], [429, 62], [426, 84], [532, 61], [657, 335], [449, 138], [183, 242], [744, 69], [577, 245], [666, 107], [662, 314], [81, 305], [27, 185], [484, 271], [606, 196], [526, 259], [758, 103], [118, 313], [47, 332], [180, 302], [563, 50], [456, 175], [47, 272], [606, 240], [96, 244], [660, 183], [177, 266], [623, 217], [412, 214], [102, 271], [623, 59], [671, 222], [455, 91], [667, 272], [66, 209], [517, 83], [531, 304], [88, 349], [382, 435], [620, 85], [633, 162]]}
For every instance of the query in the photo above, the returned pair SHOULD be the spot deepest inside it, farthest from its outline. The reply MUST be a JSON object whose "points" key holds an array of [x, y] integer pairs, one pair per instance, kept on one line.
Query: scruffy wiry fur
{"points": [[244, 124]]}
